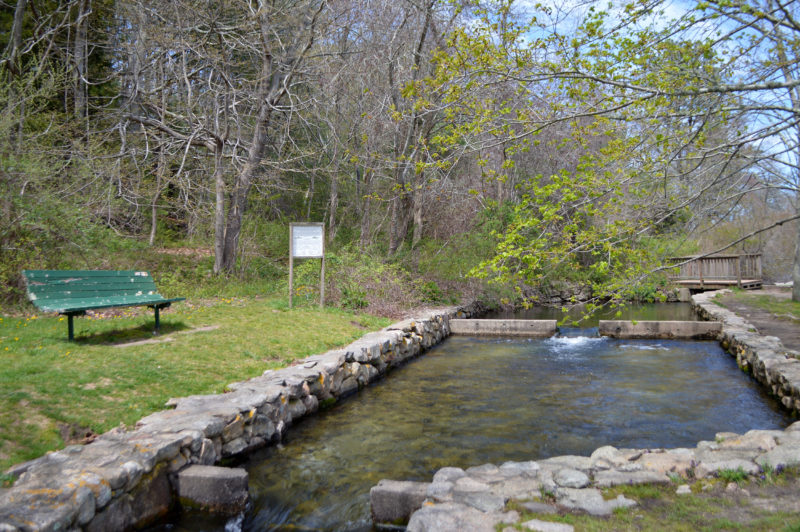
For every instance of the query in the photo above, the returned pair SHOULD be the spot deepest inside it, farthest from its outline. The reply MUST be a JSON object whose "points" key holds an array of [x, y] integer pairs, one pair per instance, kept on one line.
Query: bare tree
{"points": [[231, 68]]}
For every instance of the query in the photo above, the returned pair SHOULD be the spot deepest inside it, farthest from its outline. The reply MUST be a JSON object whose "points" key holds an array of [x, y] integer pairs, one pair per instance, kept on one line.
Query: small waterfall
{"points": [[577, 332]]}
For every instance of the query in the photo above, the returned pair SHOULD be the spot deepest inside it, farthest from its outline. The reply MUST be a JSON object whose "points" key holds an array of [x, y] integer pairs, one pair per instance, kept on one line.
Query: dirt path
{"points": [[767, 323]]}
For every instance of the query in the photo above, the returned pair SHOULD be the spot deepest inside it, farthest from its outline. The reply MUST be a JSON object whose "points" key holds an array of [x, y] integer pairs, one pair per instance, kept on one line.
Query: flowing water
{"points": [[471, 401]]}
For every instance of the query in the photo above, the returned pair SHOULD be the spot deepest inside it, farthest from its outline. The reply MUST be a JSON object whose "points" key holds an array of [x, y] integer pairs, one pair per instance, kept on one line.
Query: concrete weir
{"points": [[678, 330], [531, 328]]}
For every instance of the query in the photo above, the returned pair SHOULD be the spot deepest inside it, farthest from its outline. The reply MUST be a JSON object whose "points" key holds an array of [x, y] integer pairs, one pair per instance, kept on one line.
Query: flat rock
{"points": [[469, 485], [723, 455], [571, 478], [536, 507], [547, 526], [591, 501], [780, 457], [521, 487], [485, 502], [707, 469], [440, 491], [448, 474], [529, 468], [669, 462], [581, 463], [608, 457], [605, 479], [756, 440], [454, 517]]}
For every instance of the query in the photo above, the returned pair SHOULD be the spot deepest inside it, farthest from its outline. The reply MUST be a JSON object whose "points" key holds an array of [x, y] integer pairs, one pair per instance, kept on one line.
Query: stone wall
{"points": [[476, 499], [764, 357], [124, 479]]}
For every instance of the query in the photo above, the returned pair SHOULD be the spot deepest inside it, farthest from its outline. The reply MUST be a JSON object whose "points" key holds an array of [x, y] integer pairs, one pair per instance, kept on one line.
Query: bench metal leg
{"points": [[158, 324], [70, 328]]}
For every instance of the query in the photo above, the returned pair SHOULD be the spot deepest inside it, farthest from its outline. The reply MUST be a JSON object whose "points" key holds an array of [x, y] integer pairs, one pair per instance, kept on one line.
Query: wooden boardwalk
{"points": [[718, 271]]}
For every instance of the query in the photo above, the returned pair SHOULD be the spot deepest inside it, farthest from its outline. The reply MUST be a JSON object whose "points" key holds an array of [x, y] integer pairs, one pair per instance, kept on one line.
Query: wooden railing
{"points": [[728, 270]]}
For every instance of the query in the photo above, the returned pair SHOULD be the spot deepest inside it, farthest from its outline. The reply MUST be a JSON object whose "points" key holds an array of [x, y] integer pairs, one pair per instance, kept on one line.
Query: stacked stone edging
{"points": [[124, 479], [476, 499], [764, 357]]}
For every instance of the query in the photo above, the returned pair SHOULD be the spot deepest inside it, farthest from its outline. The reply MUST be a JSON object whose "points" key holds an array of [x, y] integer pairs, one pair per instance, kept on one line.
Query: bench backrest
{"points": [[59, 289]]}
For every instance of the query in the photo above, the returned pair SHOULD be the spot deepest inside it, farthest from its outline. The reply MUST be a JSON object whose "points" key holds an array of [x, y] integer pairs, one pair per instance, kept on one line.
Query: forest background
{"points": [[442, 143]]}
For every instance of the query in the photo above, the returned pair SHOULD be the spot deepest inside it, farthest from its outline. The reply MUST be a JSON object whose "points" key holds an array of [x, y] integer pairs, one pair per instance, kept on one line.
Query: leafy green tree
{"points": [[675, 115]]}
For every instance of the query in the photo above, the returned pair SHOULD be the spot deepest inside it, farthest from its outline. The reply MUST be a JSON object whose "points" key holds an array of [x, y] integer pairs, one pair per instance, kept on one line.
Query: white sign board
{"points": [[307, 241]]}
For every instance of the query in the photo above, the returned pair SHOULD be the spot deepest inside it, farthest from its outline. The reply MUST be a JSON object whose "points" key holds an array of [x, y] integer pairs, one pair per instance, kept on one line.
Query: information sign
{"points": [[307, 241]]}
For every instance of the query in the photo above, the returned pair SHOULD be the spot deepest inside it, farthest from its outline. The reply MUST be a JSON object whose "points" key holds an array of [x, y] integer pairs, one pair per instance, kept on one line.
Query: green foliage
{"points": [[430, 292], [571, 226], [359, 280], [353, 296], [732, 475], [453, 259]]}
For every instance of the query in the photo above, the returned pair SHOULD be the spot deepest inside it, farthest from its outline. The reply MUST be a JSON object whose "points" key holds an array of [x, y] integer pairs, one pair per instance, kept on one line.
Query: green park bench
{"points": [[72, 293]]}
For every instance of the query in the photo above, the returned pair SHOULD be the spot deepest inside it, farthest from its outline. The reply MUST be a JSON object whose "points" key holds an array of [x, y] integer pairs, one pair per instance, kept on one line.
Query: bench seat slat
{"points": [[61, 274], [72, 292], [66, 282], [77, 305], [79, 293]]}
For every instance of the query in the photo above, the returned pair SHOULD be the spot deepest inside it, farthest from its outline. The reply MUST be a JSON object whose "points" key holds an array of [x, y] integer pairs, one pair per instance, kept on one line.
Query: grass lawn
{"points": [[53, 391], [767, 504], [783, 307]]}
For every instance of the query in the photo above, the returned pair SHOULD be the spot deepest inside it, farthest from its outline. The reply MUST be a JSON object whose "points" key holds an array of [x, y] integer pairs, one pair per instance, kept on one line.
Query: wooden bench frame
{"points": [[72, 293]]}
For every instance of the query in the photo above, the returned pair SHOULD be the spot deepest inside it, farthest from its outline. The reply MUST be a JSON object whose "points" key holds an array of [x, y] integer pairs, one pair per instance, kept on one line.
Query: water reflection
{"points": [[470, 401]]}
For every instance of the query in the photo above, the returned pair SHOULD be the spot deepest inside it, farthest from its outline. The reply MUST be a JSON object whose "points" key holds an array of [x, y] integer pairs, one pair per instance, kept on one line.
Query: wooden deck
{"points": [[718, 271]]}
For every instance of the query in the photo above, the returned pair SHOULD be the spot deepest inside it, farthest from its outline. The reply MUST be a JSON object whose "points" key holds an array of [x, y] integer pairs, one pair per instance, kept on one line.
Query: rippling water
{"points": [[470, 401]]}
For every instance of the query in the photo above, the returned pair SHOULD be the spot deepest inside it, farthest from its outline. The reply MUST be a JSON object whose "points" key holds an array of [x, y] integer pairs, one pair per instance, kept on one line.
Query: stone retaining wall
{"points": [[124, 479], [476, 499], [764, 357]]}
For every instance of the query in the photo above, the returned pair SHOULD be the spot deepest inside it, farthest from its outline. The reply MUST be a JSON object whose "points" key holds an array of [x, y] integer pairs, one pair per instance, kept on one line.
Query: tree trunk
{"points": [[333, 204], [394, 226], [363, 201], [310, 198], [219, 211], [273, 86], [80, 57], [14, 45], [156, 195], [796, 266], [233, 223], [416, 234]]}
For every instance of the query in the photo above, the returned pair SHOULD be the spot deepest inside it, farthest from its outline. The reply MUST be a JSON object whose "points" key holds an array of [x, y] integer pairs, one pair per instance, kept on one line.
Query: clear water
{"points": [[471, 401]]}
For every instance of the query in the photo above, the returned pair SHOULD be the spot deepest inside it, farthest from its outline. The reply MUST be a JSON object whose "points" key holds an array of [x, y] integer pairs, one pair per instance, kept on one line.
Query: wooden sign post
{"points": [[307, 241]]}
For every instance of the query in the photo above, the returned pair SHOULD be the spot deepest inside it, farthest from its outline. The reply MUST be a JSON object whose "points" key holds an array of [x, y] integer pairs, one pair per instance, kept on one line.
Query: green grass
{"points": [[51, 388], [660, 508], [784, 308]]}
